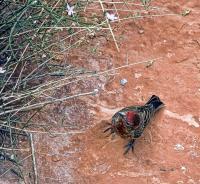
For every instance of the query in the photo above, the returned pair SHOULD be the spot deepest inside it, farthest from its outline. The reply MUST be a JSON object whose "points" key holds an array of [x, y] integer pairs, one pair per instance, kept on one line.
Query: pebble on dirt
{"points": [[179, 147], [123, 82]]}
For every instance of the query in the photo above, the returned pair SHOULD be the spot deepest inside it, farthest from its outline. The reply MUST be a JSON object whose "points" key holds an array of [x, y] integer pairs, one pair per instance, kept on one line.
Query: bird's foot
{"points": [[129, 146]]}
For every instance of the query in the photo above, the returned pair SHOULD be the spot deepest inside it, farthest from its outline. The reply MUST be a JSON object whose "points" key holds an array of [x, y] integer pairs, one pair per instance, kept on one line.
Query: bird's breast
{"points": [[122, 131]]}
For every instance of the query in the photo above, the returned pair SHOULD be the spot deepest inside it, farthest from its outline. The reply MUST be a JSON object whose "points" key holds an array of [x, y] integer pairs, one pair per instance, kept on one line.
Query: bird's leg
{"points": [[129, 146], [113, 135]]}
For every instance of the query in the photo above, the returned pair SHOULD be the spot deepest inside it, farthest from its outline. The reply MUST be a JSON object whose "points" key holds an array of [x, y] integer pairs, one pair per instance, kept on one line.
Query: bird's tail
{"points": [[156, 102]]}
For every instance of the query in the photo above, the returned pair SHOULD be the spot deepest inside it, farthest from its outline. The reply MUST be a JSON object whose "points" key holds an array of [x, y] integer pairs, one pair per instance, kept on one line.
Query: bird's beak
{"points": [[122, 114]]}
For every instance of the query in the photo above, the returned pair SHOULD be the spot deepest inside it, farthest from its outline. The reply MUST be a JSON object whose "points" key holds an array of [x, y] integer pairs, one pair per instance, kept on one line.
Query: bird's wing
{"points": [[145, 114]]}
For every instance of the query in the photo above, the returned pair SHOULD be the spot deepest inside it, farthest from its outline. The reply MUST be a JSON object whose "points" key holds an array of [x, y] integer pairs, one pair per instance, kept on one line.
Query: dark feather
{"points": [[156, 102]]}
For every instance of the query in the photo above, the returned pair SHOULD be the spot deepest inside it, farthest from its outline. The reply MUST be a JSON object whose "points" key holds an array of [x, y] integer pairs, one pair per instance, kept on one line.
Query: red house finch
{"points": [[130, 122]]}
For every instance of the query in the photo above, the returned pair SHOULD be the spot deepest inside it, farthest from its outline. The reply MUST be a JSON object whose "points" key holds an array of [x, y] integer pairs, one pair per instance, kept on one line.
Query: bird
{"points": [[130, 122]]}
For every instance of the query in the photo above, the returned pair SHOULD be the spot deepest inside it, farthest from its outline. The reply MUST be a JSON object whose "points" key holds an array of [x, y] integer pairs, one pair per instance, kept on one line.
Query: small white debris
{"points": [[34, 36], [96, 91], [12, 157], [2, 157], [183, 169], [140, 31], [155, 180], [179, 182], [8, 58], [111, 16], [34, 2], [169, 55], [123, 82], [70, 10], [44, 55], [2, 70], [179, 147], [138, 75]]}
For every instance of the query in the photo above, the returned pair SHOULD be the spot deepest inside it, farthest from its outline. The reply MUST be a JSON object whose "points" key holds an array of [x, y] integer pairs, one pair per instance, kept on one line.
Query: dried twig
{"points": [[148, 16], [13, 149], [34, 159], [42, 132], [41, 104]]}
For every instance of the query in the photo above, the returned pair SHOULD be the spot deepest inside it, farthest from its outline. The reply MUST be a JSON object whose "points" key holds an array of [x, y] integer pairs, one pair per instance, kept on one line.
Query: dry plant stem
{"points": [[14, 166], [9, 78], [98, 26], [55, 84], [116, 12], [22, 67], [64, 50], [49, 46], [24, 105], [34, 159], [52, 10], [123, 66], [38, 105], [121, 10], [50, 28], [116, 2], [111, 31], [13, 149], [11, 138], [42, 132], [25, 48], [39, 90], [149, 16], [10, 35]]}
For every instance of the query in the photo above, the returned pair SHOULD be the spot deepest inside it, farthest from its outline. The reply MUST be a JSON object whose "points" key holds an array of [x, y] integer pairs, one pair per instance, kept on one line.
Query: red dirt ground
{"points": [[169, 150]]}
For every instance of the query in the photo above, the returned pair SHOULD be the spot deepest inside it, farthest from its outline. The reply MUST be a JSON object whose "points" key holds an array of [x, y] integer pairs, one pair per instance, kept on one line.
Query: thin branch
{"points": [[53, 84], [42, 132], [15, 149], [148, 16], [34, 159], [114, 2], [38, 105], [116, 12]]}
